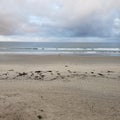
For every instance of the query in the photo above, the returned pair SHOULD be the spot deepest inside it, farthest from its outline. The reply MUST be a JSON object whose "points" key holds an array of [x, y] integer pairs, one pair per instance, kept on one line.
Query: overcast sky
{"points": [[60, 18]]}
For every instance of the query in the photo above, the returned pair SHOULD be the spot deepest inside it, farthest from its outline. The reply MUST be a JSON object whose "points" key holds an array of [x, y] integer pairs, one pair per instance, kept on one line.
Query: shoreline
{"points": [[48, 59], [62, 53]]}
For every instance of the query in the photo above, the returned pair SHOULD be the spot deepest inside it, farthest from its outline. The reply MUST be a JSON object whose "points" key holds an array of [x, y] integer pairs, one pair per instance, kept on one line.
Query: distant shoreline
{"points": [[59, 53]]}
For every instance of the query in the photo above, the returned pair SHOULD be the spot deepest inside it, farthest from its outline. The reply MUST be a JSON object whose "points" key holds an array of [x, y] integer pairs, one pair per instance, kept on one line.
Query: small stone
{"points": [[39, 117]]}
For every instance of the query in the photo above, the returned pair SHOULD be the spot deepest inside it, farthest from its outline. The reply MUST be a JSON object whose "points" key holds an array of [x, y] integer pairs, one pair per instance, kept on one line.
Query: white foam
{"points": [[107, 49]]}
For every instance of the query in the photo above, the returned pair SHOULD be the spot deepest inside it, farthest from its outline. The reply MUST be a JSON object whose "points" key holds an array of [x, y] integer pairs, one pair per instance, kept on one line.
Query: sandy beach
{"points": [[59, 87]]}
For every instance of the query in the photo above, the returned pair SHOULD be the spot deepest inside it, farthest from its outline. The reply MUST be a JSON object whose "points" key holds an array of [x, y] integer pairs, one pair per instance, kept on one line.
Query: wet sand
{"points": [[58, 87]]}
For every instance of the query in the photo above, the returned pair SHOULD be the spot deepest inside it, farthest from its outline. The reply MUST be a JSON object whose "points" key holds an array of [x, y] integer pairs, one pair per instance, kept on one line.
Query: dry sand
{"points": [[58, 87]]}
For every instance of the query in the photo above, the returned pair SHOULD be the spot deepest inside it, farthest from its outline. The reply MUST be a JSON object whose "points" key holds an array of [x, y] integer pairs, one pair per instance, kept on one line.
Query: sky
{"points": [[60, 18]]}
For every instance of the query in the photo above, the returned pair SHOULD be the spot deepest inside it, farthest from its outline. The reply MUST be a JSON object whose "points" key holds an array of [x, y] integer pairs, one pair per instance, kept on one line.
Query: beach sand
{"points": [[59, 87]]}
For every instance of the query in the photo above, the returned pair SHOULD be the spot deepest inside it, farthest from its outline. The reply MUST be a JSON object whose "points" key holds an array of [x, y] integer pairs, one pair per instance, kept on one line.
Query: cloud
{"points": [[58, 17]]}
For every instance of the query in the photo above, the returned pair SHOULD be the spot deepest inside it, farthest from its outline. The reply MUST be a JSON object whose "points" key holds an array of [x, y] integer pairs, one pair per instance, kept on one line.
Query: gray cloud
{"points": [[58, 17]]}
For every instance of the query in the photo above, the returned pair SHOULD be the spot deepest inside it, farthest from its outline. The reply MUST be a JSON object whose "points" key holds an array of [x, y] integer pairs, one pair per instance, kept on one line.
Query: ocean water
{"points": [[81, 48]]}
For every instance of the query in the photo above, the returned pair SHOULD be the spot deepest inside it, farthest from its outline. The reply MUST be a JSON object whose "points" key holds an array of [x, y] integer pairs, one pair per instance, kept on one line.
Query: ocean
{"points": [[80, 48]]}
